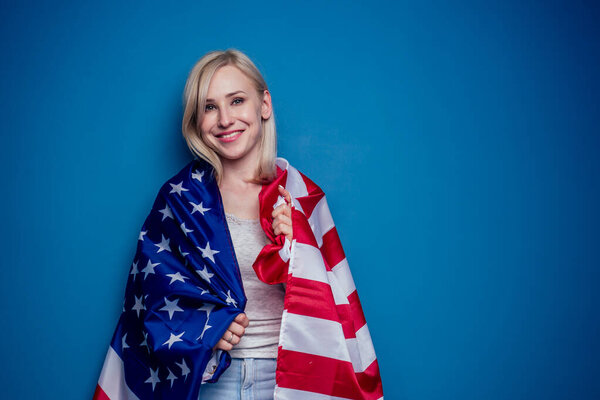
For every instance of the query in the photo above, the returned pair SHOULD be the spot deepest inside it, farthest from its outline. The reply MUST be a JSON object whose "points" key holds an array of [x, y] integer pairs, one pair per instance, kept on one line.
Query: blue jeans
{"points": [[245, 379]]}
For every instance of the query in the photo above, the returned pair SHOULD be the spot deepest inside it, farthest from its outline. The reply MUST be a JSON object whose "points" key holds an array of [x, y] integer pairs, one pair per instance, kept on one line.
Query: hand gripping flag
{"points": [[184, 290]]}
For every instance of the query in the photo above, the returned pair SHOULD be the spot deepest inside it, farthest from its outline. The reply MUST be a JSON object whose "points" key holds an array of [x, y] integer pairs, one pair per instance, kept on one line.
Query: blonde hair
{"points": [[194, 99]]}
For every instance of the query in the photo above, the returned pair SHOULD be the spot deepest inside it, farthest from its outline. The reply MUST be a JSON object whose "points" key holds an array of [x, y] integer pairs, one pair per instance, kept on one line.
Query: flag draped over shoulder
{"points": [[184, 290]]}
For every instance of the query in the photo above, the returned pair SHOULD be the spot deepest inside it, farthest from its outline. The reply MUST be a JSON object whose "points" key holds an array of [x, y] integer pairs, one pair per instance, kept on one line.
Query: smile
{"points": [[229, 136]]}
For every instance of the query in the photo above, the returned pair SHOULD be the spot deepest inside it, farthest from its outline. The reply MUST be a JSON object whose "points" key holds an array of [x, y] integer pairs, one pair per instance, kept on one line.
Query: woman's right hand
{"points": [[234, 333]]}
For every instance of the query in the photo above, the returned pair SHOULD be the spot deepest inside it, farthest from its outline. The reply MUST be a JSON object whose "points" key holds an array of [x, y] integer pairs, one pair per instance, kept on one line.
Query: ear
{"points": [[266, 107]]}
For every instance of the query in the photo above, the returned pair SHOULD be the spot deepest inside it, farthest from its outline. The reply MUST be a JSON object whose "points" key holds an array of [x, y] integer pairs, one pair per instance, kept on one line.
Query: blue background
{"points": [[457, 143]]}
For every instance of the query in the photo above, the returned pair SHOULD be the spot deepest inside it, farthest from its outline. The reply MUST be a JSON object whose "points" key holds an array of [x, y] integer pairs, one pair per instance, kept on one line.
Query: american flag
{"points": [[184, 290]]}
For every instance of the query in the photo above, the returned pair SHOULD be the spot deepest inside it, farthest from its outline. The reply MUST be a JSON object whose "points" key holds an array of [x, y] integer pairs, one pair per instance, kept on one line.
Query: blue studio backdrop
{"points": [[457, 143]]}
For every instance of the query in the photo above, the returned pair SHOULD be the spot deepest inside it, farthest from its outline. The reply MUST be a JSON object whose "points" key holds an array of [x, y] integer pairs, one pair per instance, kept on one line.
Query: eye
{"points": [[237, 100], [209, 107]]}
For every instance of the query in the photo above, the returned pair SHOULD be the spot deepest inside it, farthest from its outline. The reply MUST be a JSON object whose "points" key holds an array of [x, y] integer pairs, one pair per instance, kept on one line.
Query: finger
{"points": [[282, 219], [231, 337], [242, 319], [286, 195], [236, 329], [223, 345], [284, 230], [282, 209]]}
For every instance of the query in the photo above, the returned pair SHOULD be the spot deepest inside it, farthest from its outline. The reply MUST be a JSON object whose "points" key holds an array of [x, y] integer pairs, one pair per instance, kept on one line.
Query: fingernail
{"points": [[281, 186]]}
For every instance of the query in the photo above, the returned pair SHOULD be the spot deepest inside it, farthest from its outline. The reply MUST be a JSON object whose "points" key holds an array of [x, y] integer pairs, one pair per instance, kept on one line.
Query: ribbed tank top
{"points": [[265, 302]]}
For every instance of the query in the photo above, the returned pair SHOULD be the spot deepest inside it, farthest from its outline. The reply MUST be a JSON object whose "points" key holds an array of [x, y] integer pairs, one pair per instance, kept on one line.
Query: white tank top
{"points": [[265, 302]]}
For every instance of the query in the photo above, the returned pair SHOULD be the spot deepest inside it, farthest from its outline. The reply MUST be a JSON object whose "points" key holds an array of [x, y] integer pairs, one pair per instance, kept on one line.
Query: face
{"points": [[233, 116]]}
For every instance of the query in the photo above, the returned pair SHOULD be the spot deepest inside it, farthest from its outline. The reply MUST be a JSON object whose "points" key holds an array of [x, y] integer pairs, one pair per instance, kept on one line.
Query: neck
{"points": [[238, 172]]}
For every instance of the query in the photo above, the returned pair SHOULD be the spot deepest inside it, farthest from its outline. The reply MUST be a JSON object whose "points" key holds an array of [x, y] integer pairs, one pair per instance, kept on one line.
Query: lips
{"points": [[229, 136]]}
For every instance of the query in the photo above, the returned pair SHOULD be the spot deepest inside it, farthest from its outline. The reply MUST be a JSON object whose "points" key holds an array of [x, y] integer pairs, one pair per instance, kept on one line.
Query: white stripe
{"points": [[295, 184], [293, 394], [361, 349], [343, 278], [316, 336], [112, 378], [320, 220], [307, 263], [286, 251]]}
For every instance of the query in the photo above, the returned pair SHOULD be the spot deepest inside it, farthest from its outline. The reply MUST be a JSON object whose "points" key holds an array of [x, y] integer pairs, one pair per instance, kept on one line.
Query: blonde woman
{"points": [[239, 288]]}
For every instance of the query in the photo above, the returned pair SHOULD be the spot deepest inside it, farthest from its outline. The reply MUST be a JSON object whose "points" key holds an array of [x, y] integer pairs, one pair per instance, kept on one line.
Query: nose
{"points": [[225, 118]]}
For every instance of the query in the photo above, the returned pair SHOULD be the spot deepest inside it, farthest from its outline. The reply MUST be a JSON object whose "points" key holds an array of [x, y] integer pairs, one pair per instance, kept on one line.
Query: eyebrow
{"points": [[229, 94]]}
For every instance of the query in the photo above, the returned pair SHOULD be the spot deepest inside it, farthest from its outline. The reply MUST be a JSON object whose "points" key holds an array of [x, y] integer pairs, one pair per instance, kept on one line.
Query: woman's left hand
{"points": [[282, 215]]}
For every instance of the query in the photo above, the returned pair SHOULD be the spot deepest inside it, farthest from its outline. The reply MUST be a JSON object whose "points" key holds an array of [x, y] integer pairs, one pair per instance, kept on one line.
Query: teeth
{"points": [[231, 134]]}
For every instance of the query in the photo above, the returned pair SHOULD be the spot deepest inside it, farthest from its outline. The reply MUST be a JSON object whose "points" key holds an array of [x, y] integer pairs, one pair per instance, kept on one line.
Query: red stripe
{"points": [[302, 230], [315, 194], [358, 316], [370, 380], [311, 373], [331, 249], [99, 394], [314, 299]]}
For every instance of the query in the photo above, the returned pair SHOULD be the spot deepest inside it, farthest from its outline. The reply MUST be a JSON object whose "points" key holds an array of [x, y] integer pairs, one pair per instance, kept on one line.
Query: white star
{"points": [[206, 327], [142, 234], [138, 306], [184, 368], [166, 212], [177, 277], [153, 378], [229, 299], [145, 342], [207, 252], [178, 188], [207, 308], [183, 253], [184, 229], [198, 175], [204, 274], [171, 307], [163, 245], [199, 207], [174, 339], [171, 377], [204, 291], [124, 344], [149, 269], [134, 269]]}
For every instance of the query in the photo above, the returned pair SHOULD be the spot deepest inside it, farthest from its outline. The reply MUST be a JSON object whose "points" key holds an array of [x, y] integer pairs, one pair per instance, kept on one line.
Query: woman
{"points": [[237, 133], [206, 313]]}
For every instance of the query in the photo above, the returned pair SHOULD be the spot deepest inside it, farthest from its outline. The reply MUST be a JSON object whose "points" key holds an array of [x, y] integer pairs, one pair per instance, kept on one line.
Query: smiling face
{"points": [[233, 114]]}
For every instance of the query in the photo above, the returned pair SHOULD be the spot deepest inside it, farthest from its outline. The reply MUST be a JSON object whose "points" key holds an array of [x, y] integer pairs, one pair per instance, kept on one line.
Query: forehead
{"points": [[228, 79]]}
